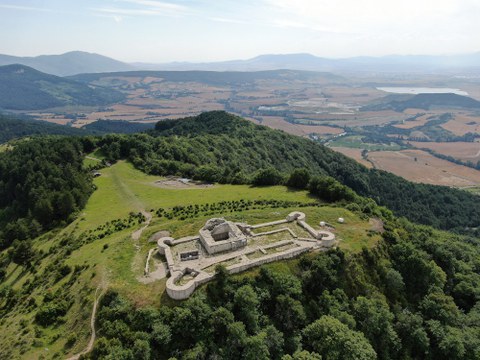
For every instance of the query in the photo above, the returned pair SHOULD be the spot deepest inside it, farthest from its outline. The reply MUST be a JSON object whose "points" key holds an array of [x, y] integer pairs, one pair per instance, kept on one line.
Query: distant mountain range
{"points": [[393, 63], [71, 63], [24, 88], [78, 62]]}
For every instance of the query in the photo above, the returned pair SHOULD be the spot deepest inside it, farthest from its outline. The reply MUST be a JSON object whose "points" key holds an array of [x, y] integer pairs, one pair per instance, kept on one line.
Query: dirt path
{"points": [[93, 158], [137, 234], [93, 335]]}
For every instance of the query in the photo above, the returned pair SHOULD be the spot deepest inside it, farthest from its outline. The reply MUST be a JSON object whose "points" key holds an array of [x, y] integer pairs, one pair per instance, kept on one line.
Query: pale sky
{"points": [[209, 30]]}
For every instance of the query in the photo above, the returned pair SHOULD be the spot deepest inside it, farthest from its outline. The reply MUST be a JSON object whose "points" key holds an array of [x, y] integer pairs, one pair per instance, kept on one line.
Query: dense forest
{"points": [[414, 296], [13, 127], [42, 183], [117, 127], [217, 146]]}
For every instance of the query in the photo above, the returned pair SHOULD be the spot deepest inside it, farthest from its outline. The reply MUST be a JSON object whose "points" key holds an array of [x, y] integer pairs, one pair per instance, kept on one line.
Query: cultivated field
{"points": [[464, 151], [463, 123], [319, 107], [353, 153], [420, 166]]}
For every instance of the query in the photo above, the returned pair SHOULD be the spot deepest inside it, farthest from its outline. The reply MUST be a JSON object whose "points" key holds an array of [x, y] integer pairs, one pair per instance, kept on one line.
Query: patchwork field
{"points": [[465, 151], [420, 166], [319, 106], [463, 123]]}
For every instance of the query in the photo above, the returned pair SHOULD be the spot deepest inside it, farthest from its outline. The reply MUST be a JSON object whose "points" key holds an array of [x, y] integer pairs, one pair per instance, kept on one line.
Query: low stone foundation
{"points": [[235, 248]]}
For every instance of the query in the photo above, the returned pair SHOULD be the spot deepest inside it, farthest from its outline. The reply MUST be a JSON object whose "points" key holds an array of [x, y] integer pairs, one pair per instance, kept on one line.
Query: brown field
{"points": [[318, 101], [353, 153], [279, 123], [420, 166], [465, 151], [463, 123]]}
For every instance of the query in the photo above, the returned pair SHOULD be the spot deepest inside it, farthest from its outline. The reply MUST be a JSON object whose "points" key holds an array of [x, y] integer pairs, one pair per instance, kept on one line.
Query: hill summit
{"points": [[70, 63], [24, 88]]}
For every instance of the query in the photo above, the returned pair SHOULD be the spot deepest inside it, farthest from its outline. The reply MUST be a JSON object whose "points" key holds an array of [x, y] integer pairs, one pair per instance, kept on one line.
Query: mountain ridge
{"points": [[70, 63], [24, 88], [306, 61]]}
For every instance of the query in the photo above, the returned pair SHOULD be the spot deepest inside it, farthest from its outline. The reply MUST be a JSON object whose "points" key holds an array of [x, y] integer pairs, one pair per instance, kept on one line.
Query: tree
{"points": [[289, 314], [245, 307], [274, 341], [256, 348], [299, 179], [438, 306], [268, 176], [21, 253], [161, 334], [219, 321], [375, 320], [302, 355], [415, 341], [330, 189], [335, 341]]}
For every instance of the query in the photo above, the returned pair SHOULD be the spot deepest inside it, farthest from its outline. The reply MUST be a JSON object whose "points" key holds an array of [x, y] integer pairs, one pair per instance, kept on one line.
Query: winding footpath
{"points": [[92, 327]]}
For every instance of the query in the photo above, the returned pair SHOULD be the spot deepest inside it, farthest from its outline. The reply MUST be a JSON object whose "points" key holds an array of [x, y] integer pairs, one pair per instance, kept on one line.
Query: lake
{"points": [[421, 90]]}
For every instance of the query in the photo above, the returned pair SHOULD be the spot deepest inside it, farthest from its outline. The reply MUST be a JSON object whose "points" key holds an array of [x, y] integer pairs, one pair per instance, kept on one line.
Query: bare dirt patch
{"points": [[179, 183], [277, 122]]}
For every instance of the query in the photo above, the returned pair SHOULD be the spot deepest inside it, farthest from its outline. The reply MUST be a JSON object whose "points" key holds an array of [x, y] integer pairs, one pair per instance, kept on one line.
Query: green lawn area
{"points": [[355, 141], [474, 190]]}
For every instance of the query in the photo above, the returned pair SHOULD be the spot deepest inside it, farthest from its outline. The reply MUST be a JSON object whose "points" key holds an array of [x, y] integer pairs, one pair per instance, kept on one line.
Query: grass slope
{"points": [[115, 261]]}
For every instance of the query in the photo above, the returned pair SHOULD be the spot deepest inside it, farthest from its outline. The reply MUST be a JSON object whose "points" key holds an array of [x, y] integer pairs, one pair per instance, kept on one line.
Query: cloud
{"points": [[145, 8], [24, 8], [286, 23], [227, 20], [160, 5], [385, 25]]}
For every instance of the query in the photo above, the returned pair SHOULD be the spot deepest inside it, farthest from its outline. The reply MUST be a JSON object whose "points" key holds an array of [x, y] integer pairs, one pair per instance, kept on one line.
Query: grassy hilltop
{"points": [[114, 260]]}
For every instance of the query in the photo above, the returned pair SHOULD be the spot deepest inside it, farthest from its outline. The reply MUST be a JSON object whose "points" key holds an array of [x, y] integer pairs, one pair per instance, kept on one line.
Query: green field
{"points": [[355, 141], [474, 190], [115, 260]]}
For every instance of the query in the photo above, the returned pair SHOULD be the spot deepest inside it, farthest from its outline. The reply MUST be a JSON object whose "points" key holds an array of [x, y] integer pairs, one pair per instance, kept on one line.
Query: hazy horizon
{"points": [[204, 31]]}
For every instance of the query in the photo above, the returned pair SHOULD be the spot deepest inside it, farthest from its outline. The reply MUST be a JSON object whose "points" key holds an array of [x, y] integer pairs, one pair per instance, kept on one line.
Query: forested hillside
{"points": [[14, 128], [217, 146], [24, 88], [117, 127], [42, 183]]}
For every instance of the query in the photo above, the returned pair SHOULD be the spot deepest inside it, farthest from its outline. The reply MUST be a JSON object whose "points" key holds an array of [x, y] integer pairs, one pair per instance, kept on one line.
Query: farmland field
{"points": [[420, 166], [326, 108], [354, 153], [465, 151]]}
